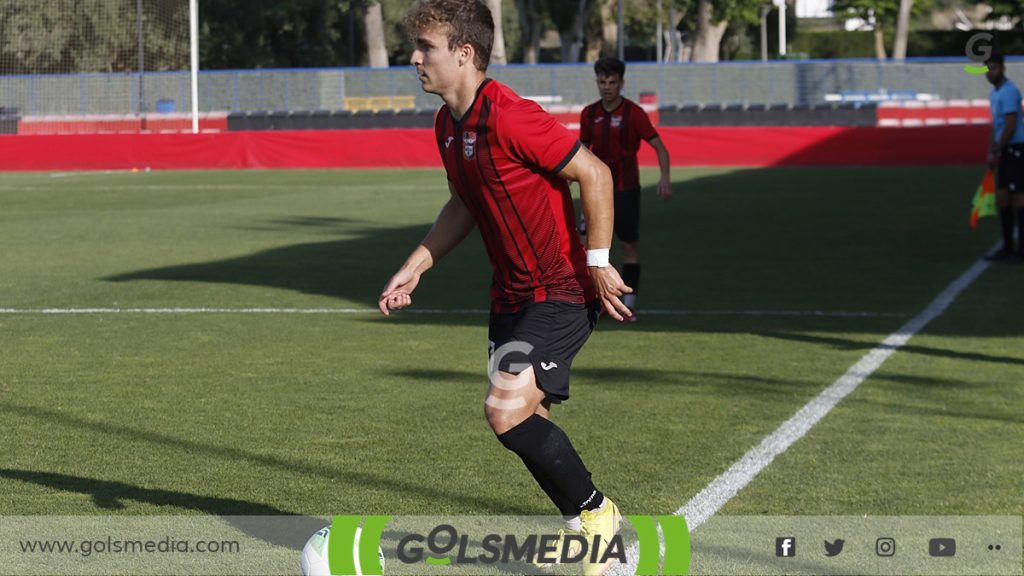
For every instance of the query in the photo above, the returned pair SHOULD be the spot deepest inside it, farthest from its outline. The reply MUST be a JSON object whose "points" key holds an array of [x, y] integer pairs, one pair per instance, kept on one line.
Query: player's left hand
{"points": [[664, 188], [609, 286], [397, 294]]}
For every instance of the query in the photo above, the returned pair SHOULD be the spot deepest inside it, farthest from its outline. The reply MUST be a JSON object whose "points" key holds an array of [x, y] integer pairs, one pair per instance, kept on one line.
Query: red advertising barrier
{"points": [[821, 146], [387, 148]]}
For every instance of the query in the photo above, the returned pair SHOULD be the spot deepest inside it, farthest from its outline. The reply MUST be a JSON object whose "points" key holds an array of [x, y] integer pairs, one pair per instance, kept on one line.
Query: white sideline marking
{"points": [[722, 489], [452, 311], [87, 173]]}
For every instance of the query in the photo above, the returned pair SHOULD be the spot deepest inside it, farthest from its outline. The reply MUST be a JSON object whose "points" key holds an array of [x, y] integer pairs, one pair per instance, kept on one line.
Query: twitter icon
{"points": [[834, 548]]}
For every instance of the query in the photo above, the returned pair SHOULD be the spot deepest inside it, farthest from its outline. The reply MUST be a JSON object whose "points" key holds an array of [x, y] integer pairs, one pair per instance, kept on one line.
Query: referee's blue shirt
{"points": [[1005, 100]]}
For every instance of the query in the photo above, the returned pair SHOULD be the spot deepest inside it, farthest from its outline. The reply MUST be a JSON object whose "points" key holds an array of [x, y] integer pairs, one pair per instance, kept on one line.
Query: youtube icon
{"points": [[942, 547]]}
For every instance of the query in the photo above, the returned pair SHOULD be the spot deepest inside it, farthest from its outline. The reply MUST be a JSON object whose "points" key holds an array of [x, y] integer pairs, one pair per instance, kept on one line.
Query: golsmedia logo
{"points": [[504, 548], [356, 546], [978, 50]]}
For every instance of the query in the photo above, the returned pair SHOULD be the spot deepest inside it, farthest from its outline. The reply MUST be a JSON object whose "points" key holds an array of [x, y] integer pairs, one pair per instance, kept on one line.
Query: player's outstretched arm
{"points": [[665, 182], [595, 182], [451, 227]]}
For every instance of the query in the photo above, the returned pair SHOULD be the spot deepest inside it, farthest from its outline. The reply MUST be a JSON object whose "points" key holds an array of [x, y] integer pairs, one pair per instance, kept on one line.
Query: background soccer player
{"points": [[1006, 155], [613, 128], [508, 163]]}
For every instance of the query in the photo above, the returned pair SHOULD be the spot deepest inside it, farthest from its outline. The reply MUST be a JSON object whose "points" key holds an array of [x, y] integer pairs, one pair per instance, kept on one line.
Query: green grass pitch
{"points": [[353, 413]]}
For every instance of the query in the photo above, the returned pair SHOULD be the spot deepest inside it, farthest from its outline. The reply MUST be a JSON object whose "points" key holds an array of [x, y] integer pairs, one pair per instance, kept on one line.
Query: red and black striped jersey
{"points": [[503, 157], [615, 138]]}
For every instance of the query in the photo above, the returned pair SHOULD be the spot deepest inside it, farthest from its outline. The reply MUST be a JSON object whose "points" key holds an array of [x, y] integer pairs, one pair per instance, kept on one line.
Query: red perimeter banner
{"points": [[406, 148]]}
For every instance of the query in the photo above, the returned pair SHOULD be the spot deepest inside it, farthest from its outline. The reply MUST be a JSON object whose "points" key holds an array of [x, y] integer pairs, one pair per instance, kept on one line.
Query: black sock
{"points": [[565, 506], [1020, 230], [1006, 219], [554, 463], [631, 276]]}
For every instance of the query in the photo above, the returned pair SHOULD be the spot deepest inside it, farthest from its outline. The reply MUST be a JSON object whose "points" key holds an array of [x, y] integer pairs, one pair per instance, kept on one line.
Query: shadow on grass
{"points": [[291, 532], [327, 224], [644, 377], [110, 495], [396, 484], [848, 344], [923, 381], [961, 409], [745, 240], [353, 269]]}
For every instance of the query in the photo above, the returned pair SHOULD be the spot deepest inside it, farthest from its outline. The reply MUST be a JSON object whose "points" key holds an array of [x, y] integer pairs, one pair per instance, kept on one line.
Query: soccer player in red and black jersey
{"points": [[613, 128], [508, 164]]}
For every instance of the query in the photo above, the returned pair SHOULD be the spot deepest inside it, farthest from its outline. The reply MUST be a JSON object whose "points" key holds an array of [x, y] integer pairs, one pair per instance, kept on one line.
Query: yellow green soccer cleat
{"points": [[603, 523], [574, 549]]}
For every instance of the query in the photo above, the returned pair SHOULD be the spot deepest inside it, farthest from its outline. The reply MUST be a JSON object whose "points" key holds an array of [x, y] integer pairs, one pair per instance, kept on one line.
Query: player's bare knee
{"points": [[502, 419]]}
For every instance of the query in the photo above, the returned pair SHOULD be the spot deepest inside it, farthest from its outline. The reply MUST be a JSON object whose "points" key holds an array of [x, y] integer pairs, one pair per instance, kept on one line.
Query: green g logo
{"points": [[978, 49]]}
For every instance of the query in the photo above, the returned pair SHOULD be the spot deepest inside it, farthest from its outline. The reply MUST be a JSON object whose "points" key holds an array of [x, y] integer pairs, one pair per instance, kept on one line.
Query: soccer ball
{"points": [[314, 554]]}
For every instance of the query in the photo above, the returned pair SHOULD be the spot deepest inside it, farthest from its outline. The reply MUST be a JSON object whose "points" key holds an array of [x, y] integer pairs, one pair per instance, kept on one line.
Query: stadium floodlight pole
{"points": [[193, 21], [621, 35]]}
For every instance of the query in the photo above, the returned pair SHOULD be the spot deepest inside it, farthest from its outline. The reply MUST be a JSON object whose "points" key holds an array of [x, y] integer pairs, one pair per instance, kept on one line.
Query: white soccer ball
{"points": [[314, 554]]}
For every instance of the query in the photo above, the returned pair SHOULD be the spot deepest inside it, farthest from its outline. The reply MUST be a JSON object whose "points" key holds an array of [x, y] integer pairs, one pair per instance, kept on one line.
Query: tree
{"points": [[609, 27], [531, 25], [1009, 8], [498, 51], [899, 45], [274, 34], [678, 50], [709, 20], [91, 36], [709, 33], [570, 18], [882, 14], [876, 12], [376, 45]]}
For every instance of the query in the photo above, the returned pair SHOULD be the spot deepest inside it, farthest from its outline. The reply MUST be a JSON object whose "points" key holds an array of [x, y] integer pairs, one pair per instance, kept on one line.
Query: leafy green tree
{"points": [[882, 14], [705, 23], [273, 34], [1007, 8], [91, 36], [498, 54]]}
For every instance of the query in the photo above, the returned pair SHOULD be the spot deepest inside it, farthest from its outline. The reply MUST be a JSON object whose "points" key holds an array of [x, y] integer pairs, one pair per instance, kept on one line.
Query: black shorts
{"points": [[1010, 172], [627, 215], [553, 333]]}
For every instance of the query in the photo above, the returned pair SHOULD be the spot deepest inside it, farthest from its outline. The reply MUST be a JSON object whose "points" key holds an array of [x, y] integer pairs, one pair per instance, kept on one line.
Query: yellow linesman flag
{"points": [[984, 203]]}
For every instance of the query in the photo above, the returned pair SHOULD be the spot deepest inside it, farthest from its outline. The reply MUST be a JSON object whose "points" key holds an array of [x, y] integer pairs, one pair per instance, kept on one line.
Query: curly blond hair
{"points": [[464, 21]]}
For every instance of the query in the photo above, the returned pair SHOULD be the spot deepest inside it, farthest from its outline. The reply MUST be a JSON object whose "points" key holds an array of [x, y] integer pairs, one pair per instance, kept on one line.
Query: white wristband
{"points": [[597, 258]]}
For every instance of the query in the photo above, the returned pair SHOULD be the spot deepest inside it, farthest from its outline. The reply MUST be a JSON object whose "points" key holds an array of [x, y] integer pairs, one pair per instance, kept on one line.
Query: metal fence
{"points": [[787, 82]]}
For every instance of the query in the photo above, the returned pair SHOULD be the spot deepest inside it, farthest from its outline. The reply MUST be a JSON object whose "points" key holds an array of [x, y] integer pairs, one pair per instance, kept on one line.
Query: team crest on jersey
{"points": [[469, 144], [616, 121]]}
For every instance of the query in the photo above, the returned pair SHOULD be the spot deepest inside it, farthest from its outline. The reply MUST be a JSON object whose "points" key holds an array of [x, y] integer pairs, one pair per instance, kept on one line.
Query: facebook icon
{"points": [[785, 547]]}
